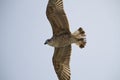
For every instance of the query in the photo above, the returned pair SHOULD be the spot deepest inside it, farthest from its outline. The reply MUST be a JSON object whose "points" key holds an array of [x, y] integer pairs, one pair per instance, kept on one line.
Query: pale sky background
{"points": [[24, 29]]}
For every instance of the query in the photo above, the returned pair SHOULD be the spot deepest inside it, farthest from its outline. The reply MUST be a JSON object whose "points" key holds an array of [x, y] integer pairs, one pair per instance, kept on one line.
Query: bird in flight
{"points": [[62, 38]]}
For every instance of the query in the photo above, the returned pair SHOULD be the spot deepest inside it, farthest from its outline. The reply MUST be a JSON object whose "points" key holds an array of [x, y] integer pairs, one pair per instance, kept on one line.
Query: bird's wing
{"points": [[57, 17], [61, 60]]}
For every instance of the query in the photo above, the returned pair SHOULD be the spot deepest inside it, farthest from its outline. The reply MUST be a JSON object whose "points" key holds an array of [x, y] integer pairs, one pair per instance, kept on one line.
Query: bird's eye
{"points": [[48, 40]]}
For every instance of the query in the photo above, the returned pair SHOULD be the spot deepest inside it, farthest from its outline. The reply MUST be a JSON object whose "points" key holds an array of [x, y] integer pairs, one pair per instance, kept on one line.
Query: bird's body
{"points": [[62, 38]]}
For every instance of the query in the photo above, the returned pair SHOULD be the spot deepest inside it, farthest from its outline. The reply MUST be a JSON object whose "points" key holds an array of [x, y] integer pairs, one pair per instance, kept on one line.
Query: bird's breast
{"points": [[62, 41]]}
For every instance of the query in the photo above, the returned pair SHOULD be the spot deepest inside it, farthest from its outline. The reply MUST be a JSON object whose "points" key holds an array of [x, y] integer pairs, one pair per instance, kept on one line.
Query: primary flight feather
{"points": [[62, 38]]}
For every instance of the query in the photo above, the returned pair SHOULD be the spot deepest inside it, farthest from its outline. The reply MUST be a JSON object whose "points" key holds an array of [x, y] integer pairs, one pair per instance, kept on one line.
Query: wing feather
{"points": [[61, 59], [57, 17]]}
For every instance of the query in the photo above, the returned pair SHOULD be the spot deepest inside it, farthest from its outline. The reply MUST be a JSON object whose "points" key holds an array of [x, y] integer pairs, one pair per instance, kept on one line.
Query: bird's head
{"points": [[49, 42]]}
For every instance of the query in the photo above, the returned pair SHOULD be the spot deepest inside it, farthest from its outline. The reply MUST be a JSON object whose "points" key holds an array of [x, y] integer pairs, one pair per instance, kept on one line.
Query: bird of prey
{"points": [[62, 38]]}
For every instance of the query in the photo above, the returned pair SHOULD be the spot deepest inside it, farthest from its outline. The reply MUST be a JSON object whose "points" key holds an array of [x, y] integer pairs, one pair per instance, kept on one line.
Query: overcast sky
{"points": [[24, 29]]}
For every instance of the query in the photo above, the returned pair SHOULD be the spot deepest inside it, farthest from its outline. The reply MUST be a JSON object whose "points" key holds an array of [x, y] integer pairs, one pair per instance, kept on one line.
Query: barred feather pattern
{"points": [[61, 59], [59, 4], [81, 37]]}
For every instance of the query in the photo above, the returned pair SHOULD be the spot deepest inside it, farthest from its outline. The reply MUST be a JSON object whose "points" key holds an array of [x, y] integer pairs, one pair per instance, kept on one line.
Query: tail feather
{"points": [[81, 37]]}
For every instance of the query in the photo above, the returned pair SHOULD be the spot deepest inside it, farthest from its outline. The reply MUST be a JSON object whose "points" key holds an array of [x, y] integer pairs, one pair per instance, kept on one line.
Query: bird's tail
{"points": [[81, 37]]}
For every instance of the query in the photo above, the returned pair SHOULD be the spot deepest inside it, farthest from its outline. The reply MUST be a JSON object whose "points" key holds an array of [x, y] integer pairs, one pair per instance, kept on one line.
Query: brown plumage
{"points": [[62, 38]]}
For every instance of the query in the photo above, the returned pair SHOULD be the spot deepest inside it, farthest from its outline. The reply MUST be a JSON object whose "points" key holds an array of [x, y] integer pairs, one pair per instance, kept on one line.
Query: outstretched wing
{"points": [[57, 17], [61, 60]]}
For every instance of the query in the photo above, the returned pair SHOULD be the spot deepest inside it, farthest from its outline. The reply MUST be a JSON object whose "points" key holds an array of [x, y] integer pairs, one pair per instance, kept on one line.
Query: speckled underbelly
{"points": [[63, 40]]}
